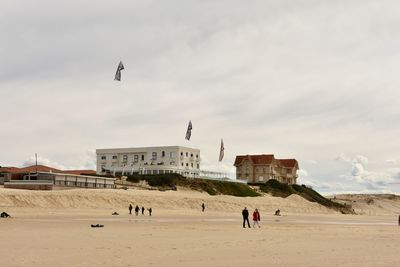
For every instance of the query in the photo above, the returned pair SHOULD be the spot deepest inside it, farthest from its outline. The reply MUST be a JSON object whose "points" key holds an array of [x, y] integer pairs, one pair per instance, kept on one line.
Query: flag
{"points": [[221, 151], [189, 131], [118, 73]]}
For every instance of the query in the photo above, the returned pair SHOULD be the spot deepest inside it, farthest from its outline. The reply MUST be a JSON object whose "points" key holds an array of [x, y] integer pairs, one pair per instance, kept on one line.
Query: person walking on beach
{"points": [[150, 210], [142, 210], [203, 207], [245, 214], [137, 210], [256, 218], [130, 208]]}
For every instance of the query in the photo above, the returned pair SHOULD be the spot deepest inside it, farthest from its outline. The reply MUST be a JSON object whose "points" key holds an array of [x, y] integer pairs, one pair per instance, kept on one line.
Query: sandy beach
{"points": [[53, 229]]}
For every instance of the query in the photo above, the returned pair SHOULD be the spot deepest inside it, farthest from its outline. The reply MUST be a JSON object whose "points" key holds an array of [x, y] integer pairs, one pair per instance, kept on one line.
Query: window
{"points": [[187, 154], [154, 155], [191, 164], [125, 158], [197, 156], [114, 157], [103, 157], [162, 153], [181, 153], [187, 164], [135, 158], [142, 157], [191, 155], [182, 163], [172, 155], [198, 166]]}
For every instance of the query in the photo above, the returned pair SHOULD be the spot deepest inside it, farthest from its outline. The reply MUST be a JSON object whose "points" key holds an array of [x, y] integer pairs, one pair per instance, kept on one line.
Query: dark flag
{"points": [[189, 131], [221, 151], [118, 73]]}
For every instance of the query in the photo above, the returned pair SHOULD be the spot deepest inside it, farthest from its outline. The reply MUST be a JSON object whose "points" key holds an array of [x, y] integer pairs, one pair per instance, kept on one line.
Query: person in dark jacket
{"points": [[150, 211], [130, 208], [137, 210], [142, 210], [245, 214], [203, 207]]}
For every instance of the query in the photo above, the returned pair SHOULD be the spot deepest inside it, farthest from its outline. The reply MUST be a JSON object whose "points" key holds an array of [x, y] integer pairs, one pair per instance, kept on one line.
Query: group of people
{"points": [[137, 209], [256, 218]]}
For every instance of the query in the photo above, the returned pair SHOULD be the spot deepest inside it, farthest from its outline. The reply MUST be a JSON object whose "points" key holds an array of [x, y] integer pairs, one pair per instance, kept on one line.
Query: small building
{"points": [[149, 160], [49, 180], [42, 177], [261, 168]]}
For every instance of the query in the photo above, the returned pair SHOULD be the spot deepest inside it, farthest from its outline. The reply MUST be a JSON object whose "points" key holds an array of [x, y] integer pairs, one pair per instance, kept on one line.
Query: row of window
{"points": [[263, 170], [153, 156], [191, 164]]}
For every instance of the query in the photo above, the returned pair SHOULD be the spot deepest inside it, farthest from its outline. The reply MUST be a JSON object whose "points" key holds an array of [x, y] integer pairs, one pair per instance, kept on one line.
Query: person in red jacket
{"points": [[256, 218]]}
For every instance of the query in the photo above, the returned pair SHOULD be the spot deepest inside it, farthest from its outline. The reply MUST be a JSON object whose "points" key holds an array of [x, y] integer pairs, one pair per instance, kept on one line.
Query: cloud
{"points": [[343, 157], [370, 179], [391, 161]]}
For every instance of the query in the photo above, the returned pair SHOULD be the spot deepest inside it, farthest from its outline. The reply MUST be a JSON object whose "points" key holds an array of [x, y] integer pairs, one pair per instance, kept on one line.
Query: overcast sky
{"points": [[313, 80]]}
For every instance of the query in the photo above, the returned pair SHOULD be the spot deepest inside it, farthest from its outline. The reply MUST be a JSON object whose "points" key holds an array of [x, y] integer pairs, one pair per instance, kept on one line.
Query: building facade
{"points": [[149, 160], [261, 168]]}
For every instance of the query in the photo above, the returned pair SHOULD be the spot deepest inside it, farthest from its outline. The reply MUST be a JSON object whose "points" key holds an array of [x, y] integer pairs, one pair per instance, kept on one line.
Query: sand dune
{"points": [[372, 204], [170, 200]]}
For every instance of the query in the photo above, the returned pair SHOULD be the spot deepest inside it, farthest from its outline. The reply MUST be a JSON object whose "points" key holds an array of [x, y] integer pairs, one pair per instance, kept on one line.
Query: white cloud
{"points": [[343, 157], [391, 161]]}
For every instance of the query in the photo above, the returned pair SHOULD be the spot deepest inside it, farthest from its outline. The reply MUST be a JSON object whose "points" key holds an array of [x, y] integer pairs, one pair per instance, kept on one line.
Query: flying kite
{"points": [[118, 73], [189, 131], [221, 151]]}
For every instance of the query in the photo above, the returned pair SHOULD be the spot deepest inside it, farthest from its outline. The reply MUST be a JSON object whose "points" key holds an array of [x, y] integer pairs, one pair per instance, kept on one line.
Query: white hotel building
{"points": [[149, 160]]}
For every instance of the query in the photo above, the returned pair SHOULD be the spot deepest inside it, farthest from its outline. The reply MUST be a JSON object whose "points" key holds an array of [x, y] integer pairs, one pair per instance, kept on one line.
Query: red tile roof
{"points": [[9, 169], [266, 159], [42, 168], [255, 159], [289, 163]]}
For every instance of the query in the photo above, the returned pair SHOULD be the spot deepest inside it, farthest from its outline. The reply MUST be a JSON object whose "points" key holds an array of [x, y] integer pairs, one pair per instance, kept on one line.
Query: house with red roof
{"points": [[261, 168]]}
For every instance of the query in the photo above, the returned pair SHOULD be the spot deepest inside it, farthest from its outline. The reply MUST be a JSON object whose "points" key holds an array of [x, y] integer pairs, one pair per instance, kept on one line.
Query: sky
{"points": [[311, 80]]}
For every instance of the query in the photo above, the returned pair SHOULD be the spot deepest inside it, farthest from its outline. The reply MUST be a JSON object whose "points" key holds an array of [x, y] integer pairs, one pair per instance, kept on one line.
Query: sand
{"points": [[53, 229]]}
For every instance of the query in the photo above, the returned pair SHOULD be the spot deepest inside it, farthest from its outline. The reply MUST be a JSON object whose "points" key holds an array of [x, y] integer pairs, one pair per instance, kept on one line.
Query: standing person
{"points": [[399, 220], [203, 207], [130, 208], [256, 218], [137, 210], [150, 210], [245, 214], [142, 210]]}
